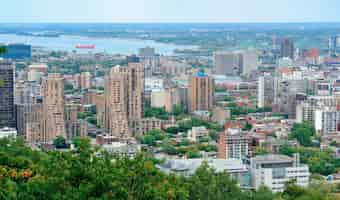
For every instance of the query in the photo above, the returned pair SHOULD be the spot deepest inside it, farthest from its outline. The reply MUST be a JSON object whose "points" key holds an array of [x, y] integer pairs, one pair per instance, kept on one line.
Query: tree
{"points": [[263, 193], [247, 127], [92, 120], [91, 173], [159, 113], [261, 150], [169, 148], [208, 185], [213, 135], [194, 154], [303, 133], [59, 142], [152, 136], [172, 130], [178, 110], [3, 50]]}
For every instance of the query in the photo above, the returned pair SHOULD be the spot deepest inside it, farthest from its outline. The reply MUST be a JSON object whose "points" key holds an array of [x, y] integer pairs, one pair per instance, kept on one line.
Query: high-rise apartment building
{"points": [[305, 110], [53, 122], [124, 89], [201, 92], [327, 120], [85, 80], [234, 145], [287, 49], [27, 114], [167, 98], [7, 109]]}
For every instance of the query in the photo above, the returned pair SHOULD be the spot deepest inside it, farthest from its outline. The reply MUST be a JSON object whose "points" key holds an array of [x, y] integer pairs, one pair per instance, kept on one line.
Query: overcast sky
{"points": [[169, 10]]}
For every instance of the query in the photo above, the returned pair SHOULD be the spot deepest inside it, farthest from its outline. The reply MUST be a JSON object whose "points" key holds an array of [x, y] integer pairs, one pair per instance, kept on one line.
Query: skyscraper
{"points": [[124, 93], [85, 80], [266, 91], [146, 52], [7, 113], [227, 63], [53, 122], [287, 49], [201, 92], [235, 62]]}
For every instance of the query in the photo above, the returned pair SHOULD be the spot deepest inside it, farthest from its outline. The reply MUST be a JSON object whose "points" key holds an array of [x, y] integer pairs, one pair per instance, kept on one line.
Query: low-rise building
{"points": [[237, 170], [220, 115], [196, 133], [274, 171], [7, 132], [145, 125], [122, 148]]}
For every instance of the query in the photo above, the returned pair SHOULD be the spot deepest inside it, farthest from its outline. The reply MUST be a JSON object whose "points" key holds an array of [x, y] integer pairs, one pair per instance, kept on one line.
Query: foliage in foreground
{"points": [[79, 174]]}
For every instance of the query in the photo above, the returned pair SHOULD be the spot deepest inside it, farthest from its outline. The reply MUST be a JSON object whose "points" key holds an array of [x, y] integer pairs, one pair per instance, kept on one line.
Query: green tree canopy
{"points": [[59, 142]]}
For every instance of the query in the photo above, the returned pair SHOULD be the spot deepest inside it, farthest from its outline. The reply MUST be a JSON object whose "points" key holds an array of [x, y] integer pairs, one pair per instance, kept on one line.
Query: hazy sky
{"points": [[169, 10]]}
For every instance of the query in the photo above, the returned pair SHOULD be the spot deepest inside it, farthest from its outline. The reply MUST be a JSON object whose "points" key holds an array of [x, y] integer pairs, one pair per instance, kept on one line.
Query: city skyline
{"points": [[156, 11]]}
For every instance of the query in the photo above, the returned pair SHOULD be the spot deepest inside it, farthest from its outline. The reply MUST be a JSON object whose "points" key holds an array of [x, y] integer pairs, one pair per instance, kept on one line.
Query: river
{"points": [[108, 45]]}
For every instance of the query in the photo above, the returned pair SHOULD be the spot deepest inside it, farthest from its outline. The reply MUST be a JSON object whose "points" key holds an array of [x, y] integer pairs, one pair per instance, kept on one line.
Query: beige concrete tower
{"points": [[136, 81], [53, 122], [201, 92], [124, 88]]}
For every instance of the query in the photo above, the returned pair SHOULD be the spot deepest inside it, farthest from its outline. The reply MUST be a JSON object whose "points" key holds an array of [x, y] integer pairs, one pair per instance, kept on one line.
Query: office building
{"points": [[288, 94], [7, 109], [250, 61], [235, 62], [334, 43], [201, 92], [53, 122], [274, 171], [146, 52], [227, 63], [124, 94], [287, 49], [266, 91]]}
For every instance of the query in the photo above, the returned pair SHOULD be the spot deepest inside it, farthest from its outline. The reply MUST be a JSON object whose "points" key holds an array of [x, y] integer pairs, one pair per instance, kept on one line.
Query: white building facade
{"points": [[274, 171]]}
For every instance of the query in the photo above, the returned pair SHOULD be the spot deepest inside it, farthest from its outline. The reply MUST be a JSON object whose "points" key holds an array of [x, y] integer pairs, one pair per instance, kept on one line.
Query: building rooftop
{"points": [[272, 158], [201, 74], [191, 165]]}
